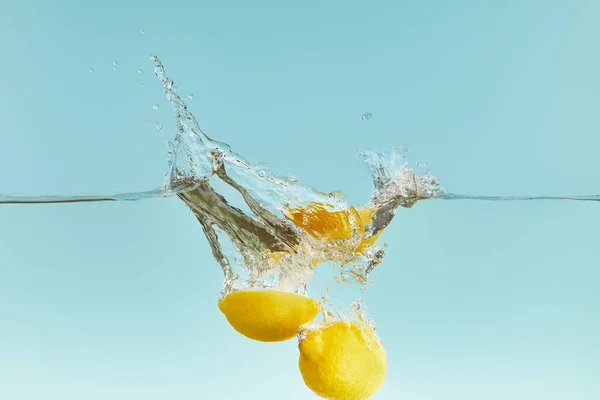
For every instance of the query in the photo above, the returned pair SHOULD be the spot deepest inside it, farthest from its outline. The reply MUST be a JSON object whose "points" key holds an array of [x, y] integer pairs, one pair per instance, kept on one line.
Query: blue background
{"points": [[475, 300]]}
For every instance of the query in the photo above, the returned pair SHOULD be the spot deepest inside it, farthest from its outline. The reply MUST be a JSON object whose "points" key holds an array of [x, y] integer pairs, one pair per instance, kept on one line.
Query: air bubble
{"points": [[142, 85], [91, 70], [139, 71], [159, 126], [422, 164], [115, 65], [262, 174], [191, 96], [366, 116], [156, 106], [142, 31]]}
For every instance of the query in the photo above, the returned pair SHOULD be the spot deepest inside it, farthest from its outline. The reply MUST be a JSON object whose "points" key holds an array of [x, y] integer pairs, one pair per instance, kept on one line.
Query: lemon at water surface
{"points": [[321, 222], [342, 361], [268, 315]]}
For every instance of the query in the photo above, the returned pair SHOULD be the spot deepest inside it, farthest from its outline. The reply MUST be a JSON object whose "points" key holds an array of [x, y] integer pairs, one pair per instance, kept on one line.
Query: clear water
{"points": [[286, 227]]}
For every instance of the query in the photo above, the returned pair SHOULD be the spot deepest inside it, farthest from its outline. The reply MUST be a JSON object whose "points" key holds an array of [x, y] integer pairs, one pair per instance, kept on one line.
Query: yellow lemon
{"points": [[268, 315], [321, 222], [342, 361]]}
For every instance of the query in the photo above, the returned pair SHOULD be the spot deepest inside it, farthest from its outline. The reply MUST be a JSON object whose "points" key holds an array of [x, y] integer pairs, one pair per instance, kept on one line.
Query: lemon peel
{"points": [[342, 361], [268, 315]]}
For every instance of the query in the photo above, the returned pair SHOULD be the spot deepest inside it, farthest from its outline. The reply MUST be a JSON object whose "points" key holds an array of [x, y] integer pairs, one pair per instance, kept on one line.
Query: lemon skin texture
{"points": [[268, 315], [342, 361]]}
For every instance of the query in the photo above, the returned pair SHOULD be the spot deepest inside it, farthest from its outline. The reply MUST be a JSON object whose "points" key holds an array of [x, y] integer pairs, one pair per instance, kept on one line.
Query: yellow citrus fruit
{"points": [[342, 361], [268, 315], [319, 221]]}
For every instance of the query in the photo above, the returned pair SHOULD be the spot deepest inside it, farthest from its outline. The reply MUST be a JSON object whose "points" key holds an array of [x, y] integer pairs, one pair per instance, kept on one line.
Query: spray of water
{"points": [[288, 227]]}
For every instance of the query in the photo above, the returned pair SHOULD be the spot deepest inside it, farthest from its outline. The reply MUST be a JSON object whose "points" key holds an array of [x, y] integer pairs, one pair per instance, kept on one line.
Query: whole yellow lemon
{"points": [[342, 361], [268, 315]]}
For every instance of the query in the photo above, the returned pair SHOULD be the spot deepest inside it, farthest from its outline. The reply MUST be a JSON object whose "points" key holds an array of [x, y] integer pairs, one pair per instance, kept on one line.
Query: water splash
{"points": [[288, 227]]}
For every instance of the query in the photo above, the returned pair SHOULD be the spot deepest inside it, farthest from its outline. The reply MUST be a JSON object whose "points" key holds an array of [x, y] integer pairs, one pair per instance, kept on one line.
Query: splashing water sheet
{"points": [[290, 227]]}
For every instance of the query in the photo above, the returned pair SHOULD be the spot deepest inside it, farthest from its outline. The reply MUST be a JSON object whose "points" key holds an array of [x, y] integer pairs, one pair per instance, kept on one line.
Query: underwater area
{"points": [[427, 172]]}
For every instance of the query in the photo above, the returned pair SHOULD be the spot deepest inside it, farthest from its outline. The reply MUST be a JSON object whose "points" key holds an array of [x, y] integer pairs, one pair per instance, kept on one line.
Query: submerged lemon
{"points": [[268, 315], [342, 361], [319, 221]]}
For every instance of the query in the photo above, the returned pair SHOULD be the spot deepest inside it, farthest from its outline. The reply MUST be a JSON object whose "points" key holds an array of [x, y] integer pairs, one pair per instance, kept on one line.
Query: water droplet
{"points": [[159, 126], [139, 71], [142, 31], [366, 116], [191, 96], [159, 70], [115, 64], [156, 106], [91, 70]]}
